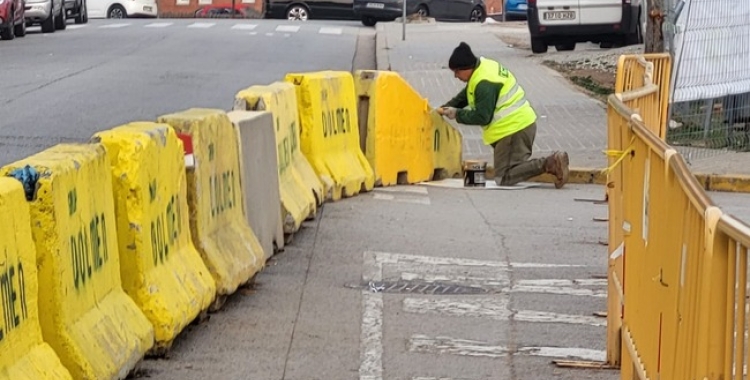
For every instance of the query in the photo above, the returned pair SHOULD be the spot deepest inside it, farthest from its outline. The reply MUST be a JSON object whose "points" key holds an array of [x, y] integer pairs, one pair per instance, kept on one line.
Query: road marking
{"points": [[158, 25], [402, 199], [402, 189], [201, 25], [476, 348], [496, 308], [559, 290], [114, 25], [244, 26], [287, 28], [371, 335], [269, 34], [329, 30], [79, 26], [562, 282], [253, 33]]}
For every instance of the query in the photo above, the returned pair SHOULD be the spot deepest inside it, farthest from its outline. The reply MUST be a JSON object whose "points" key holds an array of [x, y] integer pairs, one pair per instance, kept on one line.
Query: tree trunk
{"points": [[654, 39]]}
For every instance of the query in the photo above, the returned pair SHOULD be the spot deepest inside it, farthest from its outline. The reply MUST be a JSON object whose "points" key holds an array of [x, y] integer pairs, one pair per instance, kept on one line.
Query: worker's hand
{"points": [[448, 112]]}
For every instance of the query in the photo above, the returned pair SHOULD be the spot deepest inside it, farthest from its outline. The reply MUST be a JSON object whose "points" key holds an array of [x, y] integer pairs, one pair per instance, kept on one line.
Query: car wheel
{"points": [[61, 21], [422, 11], [7, 33], [20, 29], [477, 15], [81, 18], [538, 45], [298, 12], [566, 46], [369, 21], [117, 11], [48, 25]]}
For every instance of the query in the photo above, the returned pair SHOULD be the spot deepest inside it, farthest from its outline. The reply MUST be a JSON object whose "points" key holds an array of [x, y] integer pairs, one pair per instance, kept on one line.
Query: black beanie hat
{"points": [[462, 58]]}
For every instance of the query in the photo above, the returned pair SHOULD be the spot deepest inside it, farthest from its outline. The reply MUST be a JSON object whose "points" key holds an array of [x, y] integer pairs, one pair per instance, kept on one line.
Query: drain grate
{"points": [[416, 287]]}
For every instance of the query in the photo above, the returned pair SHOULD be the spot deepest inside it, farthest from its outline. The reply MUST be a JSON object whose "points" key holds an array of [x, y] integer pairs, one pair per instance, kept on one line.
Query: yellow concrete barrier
{"points": [[96, 329], [160, 268], [330, 131], [398, 130], [447, 145], [23, 353], [218, 225], [301, 189]]}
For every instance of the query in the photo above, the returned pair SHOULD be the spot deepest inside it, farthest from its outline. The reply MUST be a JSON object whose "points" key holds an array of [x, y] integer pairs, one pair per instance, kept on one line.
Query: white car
{"points": [[563, 23], [121, 8]]}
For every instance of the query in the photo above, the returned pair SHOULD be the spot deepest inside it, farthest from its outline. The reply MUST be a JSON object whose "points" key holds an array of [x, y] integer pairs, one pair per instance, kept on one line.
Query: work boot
{"points": [[557, 165]]}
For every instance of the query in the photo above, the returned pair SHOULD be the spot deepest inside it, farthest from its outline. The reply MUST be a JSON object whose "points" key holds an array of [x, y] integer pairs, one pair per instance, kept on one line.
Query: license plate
{"points": [[147, 9], [561, 15], [375, 5]]}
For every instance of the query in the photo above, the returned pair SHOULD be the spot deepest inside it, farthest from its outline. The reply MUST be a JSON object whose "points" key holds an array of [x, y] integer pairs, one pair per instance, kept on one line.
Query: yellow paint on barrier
{"points": [[160, 268], [96, 329], [300, 188], [399, 128], [330, 131], [23, 353], [218, 225], [447, 145]]}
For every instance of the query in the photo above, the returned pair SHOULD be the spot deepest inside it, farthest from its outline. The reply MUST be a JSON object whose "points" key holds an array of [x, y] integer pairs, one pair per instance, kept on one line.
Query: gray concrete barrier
{"points": [[260, 177]]}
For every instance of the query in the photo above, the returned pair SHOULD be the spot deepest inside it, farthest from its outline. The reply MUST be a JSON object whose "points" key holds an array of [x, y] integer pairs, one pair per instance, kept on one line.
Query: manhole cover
{"points": [[415, 287]]}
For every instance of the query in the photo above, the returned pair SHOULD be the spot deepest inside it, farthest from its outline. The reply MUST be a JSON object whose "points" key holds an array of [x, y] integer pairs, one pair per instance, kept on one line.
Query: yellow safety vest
{"points": [[512, 111]]}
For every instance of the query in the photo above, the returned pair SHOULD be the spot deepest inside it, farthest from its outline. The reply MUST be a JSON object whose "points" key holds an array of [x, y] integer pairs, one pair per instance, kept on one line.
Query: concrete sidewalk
{"points": [[568, 119]]}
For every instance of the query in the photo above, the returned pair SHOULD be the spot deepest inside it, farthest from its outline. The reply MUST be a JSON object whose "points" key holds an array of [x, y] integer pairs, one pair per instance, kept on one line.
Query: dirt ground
{"points": [[589, 67]]}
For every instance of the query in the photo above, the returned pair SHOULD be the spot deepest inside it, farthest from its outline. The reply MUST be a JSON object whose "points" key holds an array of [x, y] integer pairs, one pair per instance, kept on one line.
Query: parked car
{"points": [[372, 11], [516, 9], [307, 9], [77, 9], [563, 23], [122, 8], [12, 23], [50, 14]]}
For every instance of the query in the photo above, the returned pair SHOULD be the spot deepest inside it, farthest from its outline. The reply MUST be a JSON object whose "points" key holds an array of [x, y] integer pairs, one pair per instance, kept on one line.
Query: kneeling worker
{"points": [[498, 103]]}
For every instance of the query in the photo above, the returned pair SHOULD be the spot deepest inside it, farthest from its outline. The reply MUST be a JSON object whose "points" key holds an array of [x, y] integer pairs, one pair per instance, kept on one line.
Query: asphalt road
{"points": [[70, 84]]}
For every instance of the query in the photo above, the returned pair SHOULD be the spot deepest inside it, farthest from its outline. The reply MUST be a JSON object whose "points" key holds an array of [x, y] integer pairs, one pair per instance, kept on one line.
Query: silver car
{"points": [[50, 14]]}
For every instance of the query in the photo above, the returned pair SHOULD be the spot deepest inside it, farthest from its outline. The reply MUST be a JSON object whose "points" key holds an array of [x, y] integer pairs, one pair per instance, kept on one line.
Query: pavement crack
{"points": [[500, 241], [302, 293]]}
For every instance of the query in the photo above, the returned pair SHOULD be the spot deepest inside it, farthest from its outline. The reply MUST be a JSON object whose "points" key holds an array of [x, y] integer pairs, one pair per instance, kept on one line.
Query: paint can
{"points": [[474, 173]]}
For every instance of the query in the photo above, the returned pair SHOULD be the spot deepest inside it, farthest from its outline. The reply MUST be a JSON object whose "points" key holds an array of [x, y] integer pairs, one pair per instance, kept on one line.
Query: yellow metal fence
{"points": [[678, 263]]}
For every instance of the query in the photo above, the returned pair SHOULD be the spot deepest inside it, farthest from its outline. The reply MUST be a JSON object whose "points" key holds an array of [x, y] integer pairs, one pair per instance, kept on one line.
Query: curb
{"points": [[576, 176], [730, 183]]}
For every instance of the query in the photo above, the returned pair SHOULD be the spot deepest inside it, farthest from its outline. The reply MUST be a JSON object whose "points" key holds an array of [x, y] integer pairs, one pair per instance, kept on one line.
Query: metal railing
{"points": [[678, 263]]}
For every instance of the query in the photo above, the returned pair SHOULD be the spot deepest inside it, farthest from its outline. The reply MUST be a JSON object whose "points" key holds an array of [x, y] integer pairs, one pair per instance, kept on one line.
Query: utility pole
{"points": [[654, 38]]}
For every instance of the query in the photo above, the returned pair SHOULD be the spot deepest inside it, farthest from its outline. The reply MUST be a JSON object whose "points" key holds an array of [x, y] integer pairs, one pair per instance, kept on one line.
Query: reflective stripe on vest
{"points": [[512, 111]]}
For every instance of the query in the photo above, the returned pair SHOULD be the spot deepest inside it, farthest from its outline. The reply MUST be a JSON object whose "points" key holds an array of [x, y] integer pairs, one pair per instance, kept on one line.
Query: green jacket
{"points": [[486, 95]]}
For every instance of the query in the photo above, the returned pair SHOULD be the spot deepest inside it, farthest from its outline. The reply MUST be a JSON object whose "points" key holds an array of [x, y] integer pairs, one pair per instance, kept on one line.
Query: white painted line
{"points": [[393, 258], [244, 26], [501, 280], [253, 33], [287, 28], [371, 335], [402, 189], [114, 25], [475, 348], [389, 197], [497, 308], [329, 30], [158, 25], [202, 25], [74, 26], [269, 34], [560, 282], [559, 290]]}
